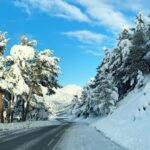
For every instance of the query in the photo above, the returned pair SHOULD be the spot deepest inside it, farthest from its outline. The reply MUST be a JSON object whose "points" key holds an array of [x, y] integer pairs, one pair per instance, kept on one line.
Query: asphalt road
{"points": [[76, 137], [43, 138]]}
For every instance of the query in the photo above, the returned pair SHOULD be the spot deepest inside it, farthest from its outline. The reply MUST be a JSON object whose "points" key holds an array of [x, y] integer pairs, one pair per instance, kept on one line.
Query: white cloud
{"points": [[104, 13], [23, 5], [95, 53], [90, 42], [95, 50], [134, 6], [110, 14], [100, 12], [85, 36], [59, 8]]}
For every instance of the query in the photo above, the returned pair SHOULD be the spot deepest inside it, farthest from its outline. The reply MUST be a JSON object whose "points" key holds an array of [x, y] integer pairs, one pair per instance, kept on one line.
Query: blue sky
{"points": [[76, 30]]}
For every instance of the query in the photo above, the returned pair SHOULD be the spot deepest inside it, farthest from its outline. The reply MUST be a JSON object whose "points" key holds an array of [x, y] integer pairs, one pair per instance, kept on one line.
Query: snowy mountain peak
{"points": [[64, 96]]}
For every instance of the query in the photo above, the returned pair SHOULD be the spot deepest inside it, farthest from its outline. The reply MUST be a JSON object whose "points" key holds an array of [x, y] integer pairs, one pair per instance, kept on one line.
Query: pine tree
{"points": [[86, 100], [74, 106], [120, 71], [140, 80], [24, 73], [3, 42], [106, 96], [134, 61], [42, 68]]}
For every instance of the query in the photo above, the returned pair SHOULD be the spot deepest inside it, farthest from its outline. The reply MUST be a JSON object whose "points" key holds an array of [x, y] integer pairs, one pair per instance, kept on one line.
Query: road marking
{"points": [[33, 142], [51, 142], [55, 138], [16, 134]]}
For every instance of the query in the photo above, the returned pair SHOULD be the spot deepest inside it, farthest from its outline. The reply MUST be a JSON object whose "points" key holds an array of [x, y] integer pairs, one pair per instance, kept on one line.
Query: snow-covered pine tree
{"points": [[44, 73], [117, 62], [75, 104], [13, 76], [105, 92], [25, 73], [120, 71], [41, 69], [135, 48], [130, 55], [106, 96], [20, 56], [99, 95], [3, 42], [15, 84], [50, 70], [86, 100], [140, 80]]}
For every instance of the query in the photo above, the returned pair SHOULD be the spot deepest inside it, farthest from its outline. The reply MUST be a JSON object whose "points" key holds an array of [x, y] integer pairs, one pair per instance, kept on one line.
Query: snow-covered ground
{"points": [[129, 125], [83, 137], [87, 121], [27, 125]]}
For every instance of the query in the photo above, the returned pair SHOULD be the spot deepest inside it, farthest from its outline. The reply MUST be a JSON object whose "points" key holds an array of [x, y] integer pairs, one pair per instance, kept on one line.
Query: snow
{"points": [[2, 44], [83, 137], [27, 124], [15, 81], [3, 40], [129, 125], [125, 46], [147, 57], [46, 56], [87, 121], [22, 52]]}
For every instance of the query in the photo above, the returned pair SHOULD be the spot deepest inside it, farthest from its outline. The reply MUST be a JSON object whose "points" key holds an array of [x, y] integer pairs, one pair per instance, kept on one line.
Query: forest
{"points": [[24, 74]]}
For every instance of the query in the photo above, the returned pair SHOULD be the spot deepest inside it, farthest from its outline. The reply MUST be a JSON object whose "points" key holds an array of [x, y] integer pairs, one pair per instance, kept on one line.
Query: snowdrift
{"points": [[129, 125]]}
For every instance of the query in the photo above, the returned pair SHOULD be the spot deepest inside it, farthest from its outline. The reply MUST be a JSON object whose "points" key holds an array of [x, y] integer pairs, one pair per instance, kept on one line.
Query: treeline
{"points": [[120, 71], [24, 74]]}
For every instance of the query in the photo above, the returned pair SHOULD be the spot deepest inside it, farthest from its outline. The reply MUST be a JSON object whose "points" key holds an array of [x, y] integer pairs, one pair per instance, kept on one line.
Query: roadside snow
{"points": [[87, 121], [27, 124], [129, 125], [84, 137]]}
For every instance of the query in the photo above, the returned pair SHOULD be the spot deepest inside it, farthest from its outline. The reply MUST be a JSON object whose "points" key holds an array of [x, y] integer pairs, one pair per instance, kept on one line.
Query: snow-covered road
{"points": [[83, 137], [65, 136]]}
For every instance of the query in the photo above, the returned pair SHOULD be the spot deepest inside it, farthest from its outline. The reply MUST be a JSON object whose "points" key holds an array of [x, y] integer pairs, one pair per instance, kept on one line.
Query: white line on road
{"points": [[55, 138], [33, 142]]}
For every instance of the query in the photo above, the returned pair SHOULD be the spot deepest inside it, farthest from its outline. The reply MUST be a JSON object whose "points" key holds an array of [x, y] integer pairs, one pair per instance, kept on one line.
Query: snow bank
{"points": [[87, 121], [27, 124], [129, 125]]}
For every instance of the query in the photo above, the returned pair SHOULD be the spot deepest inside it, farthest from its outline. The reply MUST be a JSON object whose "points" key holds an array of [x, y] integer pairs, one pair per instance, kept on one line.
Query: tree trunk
{"points": [[1, 107], [12, 108], [12, 116], [28, 101], [23, 111], [9, 111]]}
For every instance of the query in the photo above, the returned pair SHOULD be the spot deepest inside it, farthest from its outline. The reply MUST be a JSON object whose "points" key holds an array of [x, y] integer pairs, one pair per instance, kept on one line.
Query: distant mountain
{"points": [[64, 96]]}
